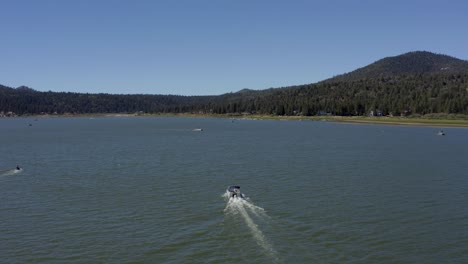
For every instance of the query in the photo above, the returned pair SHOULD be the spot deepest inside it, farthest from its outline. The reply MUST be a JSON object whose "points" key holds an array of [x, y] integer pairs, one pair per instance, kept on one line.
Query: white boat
{"points": [[234, 191], [197, 129], [441, 133]]}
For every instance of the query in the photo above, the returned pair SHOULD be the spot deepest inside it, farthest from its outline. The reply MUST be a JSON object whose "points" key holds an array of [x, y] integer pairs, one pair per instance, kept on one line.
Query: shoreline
{"points": [[403, 121], [395, 121], [432, 123]]}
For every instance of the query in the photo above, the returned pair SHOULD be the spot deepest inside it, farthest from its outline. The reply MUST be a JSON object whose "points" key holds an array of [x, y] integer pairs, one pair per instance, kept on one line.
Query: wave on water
{"points": [[10, 172], [245, 209]]}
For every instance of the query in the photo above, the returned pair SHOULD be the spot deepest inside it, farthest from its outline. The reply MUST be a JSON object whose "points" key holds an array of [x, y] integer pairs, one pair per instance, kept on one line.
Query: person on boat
{"points": [[18, 167]]}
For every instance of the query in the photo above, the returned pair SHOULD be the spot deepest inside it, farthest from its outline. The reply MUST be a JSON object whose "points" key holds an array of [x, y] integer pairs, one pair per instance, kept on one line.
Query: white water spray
{"points": [[10, 172], [248, 212]]}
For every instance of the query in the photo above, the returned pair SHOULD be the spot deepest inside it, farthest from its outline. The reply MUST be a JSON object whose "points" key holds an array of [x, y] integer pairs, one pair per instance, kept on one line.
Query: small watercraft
{"points": [[197, 129], [234, 191], [18, 168], [441, 133]]}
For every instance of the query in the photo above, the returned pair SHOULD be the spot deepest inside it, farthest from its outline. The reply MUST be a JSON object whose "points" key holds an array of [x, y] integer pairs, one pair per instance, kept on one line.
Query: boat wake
{"points": [[243, 208], [10, 172]]}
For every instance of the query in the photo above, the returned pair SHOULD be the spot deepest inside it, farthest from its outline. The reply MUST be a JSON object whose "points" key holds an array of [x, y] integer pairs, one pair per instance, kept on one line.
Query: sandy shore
{"points": [[404, 121], [431, 123]]}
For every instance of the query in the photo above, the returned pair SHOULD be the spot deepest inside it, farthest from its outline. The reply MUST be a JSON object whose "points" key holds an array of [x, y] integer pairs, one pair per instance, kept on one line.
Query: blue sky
{"points": [[203, 47]]}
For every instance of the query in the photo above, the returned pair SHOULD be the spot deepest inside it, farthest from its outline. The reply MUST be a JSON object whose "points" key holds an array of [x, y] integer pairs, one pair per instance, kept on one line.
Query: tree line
{"points": [[395, 95]]}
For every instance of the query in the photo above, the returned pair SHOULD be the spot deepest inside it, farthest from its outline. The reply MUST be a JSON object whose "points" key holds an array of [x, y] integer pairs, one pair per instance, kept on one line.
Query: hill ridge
{"points": [[414, 62], [411, 83]]}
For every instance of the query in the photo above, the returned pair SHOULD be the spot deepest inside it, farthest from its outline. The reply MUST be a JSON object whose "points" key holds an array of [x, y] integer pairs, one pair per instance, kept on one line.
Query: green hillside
{"points": [[413, 83], [411, 63]]}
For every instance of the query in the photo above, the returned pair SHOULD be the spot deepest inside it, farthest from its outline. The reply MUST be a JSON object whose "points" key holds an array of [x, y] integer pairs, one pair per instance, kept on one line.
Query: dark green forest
{"points": [[413, 83]]}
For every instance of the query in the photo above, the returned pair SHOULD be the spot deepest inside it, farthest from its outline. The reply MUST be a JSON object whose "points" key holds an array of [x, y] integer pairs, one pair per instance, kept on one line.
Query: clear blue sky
{"points": [[202, 47]]}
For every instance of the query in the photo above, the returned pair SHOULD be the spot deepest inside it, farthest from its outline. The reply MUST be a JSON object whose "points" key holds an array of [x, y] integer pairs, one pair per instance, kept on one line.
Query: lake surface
{"points": [[151, 190]]}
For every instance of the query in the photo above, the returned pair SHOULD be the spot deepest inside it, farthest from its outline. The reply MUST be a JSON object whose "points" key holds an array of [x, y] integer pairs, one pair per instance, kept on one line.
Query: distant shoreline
{"points": [[405, 121]]}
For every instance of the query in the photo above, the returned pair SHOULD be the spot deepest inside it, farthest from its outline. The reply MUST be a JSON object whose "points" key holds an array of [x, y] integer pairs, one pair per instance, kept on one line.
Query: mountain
{"points": [[417, 62], [25, 89], [5, 88], [22, 88], [412, 83]]}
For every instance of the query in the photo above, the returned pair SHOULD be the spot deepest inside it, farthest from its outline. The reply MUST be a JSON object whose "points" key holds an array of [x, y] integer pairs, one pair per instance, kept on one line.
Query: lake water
{"points": [[151, 190]]}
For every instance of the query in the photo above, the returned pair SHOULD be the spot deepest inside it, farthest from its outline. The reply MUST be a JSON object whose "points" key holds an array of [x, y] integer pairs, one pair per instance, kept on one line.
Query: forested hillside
{"points": [[24, 100], [411, 63], [412, 83]]}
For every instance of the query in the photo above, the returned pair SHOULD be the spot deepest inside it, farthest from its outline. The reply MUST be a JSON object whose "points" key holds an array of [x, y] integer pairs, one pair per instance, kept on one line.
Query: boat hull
{"points": [[234, 192]]}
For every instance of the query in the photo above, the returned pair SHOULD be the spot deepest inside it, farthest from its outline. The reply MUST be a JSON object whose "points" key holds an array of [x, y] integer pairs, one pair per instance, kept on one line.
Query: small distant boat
{"points": [[197, 129], [441, 133], [234, 191]]}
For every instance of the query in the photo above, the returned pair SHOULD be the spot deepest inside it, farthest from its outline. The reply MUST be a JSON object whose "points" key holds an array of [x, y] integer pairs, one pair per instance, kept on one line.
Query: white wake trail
{"points": [[10, 172], [246, 209]]}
